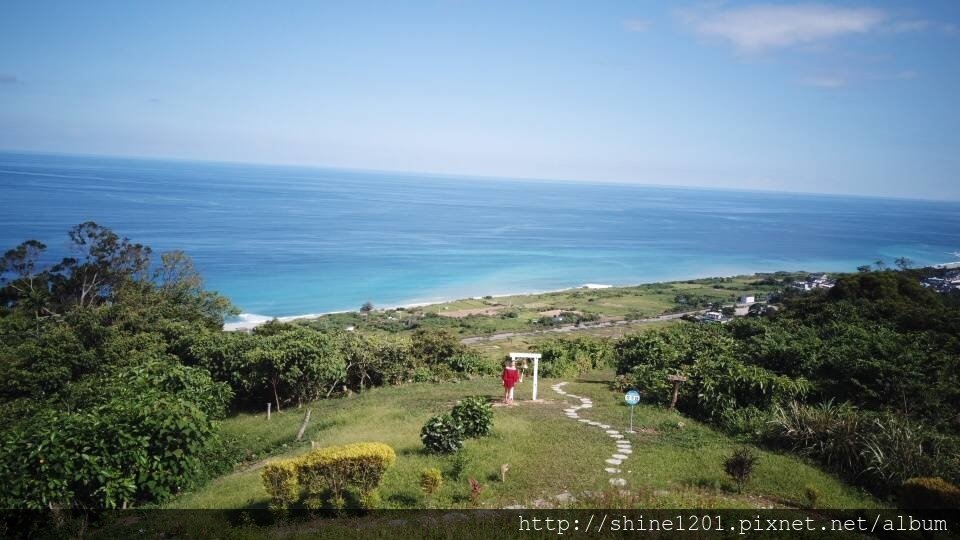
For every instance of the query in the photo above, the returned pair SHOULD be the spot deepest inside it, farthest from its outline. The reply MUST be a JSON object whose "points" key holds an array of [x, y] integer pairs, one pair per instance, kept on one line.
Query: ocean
{"points": [[284, 241]]}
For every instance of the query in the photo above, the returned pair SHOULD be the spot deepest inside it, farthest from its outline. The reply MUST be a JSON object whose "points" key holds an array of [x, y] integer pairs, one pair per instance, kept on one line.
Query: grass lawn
{"points": [[548, 453]]}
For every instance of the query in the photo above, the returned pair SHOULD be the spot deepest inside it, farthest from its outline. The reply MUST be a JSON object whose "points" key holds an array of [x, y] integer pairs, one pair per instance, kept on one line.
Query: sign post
{"points": [[632, 398]]}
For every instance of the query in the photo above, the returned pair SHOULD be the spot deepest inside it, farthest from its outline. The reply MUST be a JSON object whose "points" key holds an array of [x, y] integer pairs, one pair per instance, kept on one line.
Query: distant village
{"points": [[949, 281], [750, 306]]}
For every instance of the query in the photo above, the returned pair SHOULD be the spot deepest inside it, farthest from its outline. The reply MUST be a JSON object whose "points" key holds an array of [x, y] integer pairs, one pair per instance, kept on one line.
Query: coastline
{"points": [[249, 321]]}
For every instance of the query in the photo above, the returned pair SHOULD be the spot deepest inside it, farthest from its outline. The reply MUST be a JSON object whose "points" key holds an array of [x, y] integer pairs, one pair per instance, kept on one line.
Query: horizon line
{"points": [[451, 175]]}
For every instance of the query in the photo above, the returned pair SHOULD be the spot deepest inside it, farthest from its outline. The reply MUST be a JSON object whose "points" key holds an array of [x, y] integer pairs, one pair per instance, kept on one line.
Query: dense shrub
{"points": [[436, 346], [879, 451], [717, 386], [566, 357], [328, 475], [896, 449], [123, 452], [442, 434], [469, 362], [929, 493], [672, 348], [280, 480], [828, 432], [750, 421], [474, 415], [877, 352], [336, 469], [296, 364]]}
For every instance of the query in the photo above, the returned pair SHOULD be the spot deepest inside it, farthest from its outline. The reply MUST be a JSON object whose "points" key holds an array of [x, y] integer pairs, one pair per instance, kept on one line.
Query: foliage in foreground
{"points": [[442, 434], [864, 378], [114, 370], [876, 450], [474, 415], [571, 357], [97, 411], [334, 477], [289, 364]]}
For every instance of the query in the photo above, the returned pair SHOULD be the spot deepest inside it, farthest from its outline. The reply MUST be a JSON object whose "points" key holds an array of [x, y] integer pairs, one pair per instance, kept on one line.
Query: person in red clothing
{"points": [[510, 377]]}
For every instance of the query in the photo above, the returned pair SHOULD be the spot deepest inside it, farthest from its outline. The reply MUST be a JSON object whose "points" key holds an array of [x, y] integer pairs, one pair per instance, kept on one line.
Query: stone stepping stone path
{"points": [[624, 447]]}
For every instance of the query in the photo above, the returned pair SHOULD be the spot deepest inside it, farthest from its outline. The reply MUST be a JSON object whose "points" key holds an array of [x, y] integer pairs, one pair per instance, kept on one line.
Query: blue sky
{"points": [[832, 97]]}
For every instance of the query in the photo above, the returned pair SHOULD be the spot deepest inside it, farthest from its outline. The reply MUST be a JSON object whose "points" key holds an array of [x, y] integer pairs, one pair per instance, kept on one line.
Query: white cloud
{"points": [[920, 25], [824, 81], [769, 26], [636, 25], [899, 27], [840, 81]]}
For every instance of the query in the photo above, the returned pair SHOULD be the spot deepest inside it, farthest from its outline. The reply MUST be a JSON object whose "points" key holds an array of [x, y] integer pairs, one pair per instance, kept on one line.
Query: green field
{"points": [[554, 461], [525, 313]]}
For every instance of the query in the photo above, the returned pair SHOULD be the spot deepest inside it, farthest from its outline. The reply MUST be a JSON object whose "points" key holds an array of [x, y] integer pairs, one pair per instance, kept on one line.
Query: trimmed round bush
{"points": [[474, 415], [442, 434], [327, 474]]}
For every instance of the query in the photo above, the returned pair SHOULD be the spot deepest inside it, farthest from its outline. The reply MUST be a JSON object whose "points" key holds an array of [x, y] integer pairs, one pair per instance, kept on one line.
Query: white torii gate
{"points": [[536, 367]]}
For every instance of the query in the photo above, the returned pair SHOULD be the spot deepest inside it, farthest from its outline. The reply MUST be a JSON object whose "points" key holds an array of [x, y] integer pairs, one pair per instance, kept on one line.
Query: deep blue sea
{"points": [[282, 240]]}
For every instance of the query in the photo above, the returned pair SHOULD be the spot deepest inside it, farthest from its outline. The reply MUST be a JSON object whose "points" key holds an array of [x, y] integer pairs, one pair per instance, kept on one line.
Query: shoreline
{"points": [[249, 321]]}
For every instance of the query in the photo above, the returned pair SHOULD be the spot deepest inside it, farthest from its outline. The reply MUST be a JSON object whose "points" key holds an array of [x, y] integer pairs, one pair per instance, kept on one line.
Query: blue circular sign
{"points": [[632, 397]]}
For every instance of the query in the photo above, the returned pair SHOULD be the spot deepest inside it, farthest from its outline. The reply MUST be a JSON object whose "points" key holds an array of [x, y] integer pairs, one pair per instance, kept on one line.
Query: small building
{"points": [[814, 281], [713, 316], [746, 300], [941, 285]]}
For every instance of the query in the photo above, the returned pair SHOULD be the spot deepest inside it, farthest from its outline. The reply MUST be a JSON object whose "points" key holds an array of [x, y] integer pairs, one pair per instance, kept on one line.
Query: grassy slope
{"points": [[612, 304], [548, 453]]}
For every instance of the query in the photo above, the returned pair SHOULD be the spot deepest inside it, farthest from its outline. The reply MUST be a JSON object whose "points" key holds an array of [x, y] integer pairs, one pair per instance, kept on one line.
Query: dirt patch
{"points": [[461, 313]]}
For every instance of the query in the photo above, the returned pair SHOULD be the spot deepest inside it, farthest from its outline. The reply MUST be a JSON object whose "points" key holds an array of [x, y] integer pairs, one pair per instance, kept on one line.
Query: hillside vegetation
{"points": [[119, 388], [864, 379]]}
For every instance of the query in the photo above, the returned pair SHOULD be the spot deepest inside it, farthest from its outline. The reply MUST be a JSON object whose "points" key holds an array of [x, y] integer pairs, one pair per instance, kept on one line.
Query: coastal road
{"points": [[573, 328]]}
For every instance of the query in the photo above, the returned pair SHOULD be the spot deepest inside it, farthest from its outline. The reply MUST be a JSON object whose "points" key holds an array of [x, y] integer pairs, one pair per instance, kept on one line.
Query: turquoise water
{"points": [[288, 240]]}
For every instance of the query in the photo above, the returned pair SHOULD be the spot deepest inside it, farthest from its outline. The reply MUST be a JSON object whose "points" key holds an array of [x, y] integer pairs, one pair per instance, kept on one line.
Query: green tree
{"points": [[24, 282], [101, 262], [903, 263], [300, 363], [435, 346]]}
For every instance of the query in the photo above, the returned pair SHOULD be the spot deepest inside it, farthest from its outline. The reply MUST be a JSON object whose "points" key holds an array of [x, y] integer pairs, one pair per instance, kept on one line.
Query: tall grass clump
{"points": [[876, 450]]}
